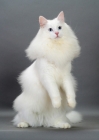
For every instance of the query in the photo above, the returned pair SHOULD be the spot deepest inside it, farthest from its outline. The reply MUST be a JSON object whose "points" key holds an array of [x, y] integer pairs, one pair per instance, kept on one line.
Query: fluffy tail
{"points": [[74, 117]]}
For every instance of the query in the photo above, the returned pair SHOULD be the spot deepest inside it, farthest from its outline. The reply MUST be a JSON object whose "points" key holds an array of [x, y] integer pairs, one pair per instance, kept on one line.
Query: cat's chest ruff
{"points": [[57, 44], [58, 73], [51, 70]]}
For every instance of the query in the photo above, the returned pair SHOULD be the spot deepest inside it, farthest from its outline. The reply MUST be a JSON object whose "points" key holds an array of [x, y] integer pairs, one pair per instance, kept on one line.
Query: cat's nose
{"points": [[57, 33]]}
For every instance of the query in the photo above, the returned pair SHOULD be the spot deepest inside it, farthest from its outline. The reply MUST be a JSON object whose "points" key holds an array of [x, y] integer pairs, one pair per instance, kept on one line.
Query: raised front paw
{"points": [[56, 102], [72, 102]]}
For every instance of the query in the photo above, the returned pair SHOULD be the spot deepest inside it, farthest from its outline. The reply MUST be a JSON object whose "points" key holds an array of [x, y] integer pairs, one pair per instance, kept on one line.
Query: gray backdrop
{"points": [[19, 24]]}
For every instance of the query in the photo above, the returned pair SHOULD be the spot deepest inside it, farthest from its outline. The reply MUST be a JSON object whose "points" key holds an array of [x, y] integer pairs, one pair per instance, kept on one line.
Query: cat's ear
{"points": [[60, 17], [42, 21]]}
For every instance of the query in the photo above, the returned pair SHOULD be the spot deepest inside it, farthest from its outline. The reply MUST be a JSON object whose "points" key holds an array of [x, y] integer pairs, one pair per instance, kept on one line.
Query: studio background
{"points": [[19, 25]]}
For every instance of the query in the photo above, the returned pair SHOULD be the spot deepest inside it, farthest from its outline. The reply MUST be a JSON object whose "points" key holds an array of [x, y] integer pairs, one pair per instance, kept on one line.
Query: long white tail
{"points": [[74, 117]]}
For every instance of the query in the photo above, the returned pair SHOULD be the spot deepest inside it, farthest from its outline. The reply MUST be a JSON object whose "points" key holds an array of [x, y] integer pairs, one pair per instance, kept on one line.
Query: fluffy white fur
{"points": [[48, 87]]}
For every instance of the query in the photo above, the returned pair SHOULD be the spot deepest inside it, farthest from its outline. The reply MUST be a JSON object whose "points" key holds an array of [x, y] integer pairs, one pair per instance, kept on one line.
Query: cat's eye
{"points": [[50, 29], [59, 27]]}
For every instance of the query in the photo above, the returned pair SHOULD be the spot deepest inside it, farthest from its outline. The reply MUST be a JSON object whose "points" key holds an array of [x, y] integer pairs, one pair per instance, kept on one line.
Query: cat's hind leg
{"points": [[27, 118], [20, 120], [56, 119]]}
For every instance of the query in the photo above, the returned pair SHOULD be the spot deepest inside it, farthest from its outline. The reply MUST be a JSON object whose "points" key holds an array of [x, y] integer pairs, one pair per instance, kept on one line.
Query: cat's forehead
{"points": [[54, 22]]}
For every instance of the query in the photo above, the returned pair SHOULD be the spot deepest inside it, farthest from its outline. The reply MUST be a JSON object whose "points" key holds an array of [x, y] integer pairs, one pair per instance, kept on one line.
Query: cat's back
{"points": [[28, 78]]}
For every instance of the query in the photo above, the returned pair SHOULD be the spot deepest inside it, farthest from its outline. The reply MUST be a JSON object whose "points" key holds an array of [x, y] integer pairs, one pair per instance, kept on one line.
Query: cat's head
{"points": [[54, 41], [55, 28]]}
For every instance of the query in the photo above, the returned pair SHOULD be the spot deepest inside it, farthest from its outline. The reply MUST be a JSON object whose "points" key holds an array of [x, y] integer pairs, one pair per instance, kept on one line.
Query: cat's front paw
{"points": [[72, 102], [56, 102]]}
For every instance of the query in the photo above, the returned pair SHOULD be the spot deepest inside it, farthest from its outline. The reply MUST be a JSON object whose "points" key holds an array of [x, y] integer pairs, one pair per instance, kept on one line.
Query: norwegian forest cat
{"points": [[48, 87]]}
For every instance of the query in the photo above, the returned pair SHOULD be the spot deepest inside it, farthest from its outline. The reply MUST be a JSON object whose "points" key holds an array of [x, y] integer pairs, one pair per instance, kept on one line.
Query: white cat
{"points": [[48, 87]]}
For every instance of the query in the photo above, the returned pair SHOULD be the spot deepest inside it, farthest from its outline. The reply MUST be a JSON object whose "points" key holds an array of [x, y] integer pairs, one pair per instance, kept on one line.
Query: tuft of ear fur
{"points": [[60, 17], [42, 21]]}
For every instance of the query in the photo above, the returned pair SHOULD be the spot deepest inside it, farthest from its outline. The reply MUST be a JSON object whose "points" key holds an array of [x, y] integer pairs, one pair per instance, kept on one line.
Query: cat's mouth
{"points": [[57, 37]]}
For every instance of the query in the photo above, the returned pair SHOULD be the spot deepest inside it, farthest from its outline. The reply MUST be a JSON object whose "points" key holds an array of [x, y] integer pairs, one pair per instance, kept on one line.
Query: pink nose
{"points": [[57, 33]]}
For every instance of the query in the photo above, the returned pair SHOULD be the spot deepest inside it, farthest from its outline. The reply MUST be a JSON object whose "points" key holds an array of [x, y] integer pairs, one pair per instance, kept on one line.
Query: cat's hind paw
{"points": [[22, 125], [63, 125]]}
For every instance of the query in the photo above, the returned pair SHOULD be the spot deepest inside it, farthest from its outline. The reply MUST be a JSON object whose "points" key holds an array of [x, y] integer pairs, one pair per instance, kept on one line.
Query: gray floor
{"points": [[87, 129]]}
